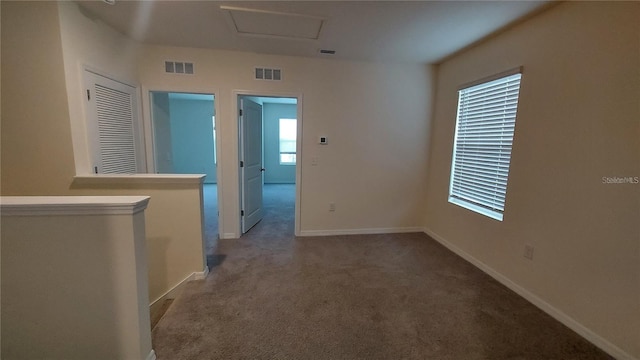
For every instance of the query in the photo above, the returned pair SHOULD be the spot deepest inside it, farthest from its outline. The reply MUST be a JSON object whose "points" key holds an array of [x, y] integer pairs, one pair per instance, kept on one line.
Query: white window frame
{"points": [[485, 125], [280, 151]]}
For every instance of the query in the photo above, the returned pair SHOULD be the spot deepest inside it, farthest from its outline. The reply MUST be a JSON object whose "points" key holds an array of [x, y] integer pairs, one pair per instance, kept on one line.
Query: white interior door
{"points": [[251, 163]]}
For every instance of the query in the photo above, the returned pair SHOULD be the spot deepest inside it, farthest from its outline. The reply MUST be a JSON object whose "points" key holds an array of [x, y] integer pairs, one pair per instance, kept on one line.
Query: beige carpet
{"points": [[399, 296]]}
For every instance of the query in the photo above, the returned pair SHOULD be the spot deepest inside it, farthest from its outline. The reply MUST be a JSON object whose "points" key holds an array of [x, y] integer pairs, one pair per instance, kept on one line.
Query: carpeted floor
{"points": [[398, 296]]}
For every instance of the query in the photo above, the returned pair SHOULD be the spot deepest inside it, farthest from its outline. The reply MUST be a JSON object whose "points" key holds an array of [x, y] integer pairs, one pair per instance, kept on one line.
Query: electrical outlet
{"points": [[332, 207], [528, 252]]}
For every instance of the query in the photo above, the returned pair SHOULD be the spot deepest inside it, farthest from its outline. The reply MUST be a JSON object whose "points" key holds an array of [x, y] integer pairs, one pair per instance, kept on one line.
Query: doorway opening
{"points": [[184, 142], [269, 129]]}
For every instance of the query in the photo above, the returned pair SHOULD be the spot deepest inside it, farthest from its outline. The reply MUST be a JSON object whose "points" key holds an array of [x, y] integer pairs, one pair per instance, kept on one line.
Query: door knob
{"points": [[263, 169]]}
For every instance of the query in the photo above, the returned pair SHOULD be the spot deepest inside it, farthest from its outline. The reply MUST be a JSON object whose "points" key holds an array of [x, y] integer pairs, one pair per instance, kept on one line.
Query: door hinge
{"points": [[95, 169], [241, 212], [88, 94], [240, 112], [241, 163]]}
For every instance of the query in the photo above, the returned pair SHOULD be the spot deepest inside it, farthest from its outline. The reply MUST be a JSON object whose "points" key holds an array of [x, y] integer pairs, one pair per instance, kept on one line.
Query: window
{"points": [[288, 141], [482, 148]]}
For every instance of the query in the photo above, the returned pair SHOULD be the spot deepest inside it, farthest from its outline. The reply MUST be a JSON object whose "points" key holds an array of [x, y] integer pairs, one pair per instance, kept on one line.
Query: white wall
{"points": [[368, 111], [34, 102], [38, 154], [174, 224], [88, 298], [372, 113], [578, 121], [174, 243], [90, 43]]}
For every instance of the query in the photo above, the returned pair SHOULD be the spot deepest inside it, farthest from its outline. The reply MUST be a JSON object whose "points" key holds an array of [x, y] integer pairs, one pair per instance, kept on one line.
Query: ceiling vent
{"points": [[268, 74], [273, 24], [178, 67]]}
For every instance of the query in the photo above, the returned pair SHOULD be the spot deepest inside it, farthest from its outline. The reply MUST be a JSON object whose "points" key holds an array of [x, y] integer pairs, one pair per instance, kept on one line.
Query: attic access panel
{"points": [[254, 22]]}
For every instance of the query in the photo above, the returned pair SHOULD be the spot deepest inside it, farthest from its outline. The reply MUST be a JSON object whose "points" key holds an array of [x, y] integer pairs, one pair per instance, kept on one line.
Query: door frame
{"points": [[149, 146], [235, 98]]}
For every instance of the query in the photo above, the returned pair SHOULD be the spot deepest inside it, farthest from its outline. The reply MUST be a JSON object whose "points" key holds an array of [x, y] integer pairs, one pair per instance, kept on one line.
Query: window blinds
{"points": [[483, 141]]}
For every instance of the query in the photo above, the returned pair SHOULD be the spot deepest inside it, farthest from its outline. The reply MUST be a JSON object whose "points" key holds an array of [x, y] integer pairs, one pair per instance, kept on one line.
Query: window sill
{"points": [[478, 209]]}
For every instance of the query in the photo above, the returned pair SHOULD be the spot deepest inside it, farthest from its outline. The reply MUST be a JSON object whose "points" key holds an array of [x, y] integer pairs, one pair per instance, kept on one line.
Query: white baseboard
{"points": [[152, 355], [557, 314], [176, 289], [230, 236], [156, 305], [360, 231], [202, 274]]}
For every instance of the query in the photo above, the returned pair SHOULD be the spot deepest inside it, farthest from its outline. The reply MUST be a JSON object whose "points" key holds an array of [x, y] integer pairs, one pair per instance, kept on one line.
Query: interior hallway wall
{"points": [[44, 48], [90, 43], [577, 124], [37, 149], [372, 114]]}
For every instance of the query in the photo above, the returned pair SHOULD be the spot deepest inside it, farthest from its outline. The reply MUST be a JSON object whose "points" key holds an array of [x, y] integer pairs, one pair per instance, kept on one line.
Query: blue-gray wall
{"points": [[192, 137], [276, 173], [162, 133]]}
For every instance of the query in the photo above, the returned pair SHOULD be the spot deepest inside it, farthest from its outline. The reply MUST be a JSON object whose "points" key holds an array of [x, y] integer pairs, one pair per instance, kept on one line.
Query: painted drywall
{"points": [[35, 106], [271, 115], [90, 43], [192, 138], [372, 114], [577, 122], [163, 154], [37, 152], [44, 48], [92, 301], [174, 239], [173, 228]]}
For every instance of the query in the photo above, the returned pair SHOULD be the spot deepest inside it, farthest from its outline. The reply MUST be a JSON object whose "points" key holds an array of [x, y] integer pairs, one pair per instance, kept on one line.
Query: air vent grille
{"points": [[178, 67], [268, 74]]}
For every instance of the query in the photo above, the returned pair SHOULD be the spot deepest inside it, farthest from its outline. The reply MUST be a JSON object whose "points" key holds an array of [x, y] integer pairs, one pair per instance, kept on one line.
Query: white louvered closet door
{"points": [[112, 125]]}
